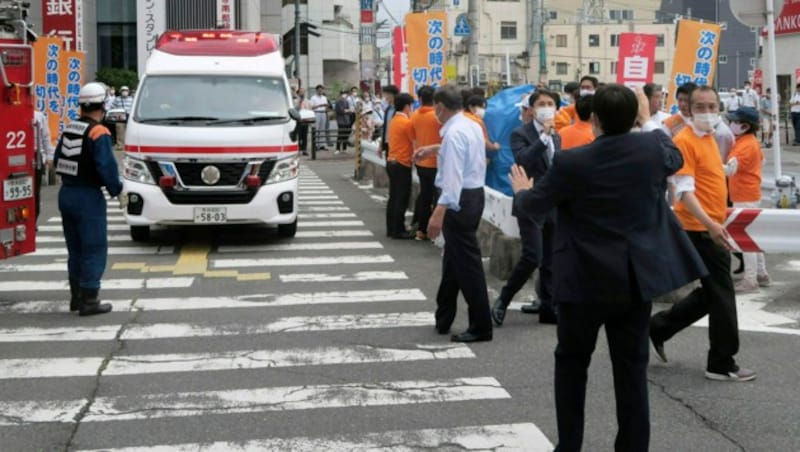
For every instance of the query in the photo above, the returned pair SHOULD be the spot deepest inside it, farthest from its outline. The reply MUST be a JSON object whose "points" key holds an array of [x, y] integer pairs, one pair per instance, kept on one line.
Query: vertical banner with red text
{"points": [[64, 19], [427, 49], [226, 14], [695, 58], [636, 63]]}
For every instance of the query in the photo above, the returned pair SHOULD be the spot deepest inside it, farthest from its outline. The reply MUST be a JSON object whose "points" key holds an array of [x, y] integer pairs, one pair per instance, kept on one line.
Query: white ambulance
{"points": [[208, 138]]}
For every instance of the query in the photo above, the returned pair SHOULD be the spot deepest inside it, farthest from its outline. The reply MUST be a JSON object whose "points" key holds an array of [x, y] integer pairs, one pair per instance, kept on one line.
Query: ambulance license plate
{"points": [[210, 215], [16, 189]]}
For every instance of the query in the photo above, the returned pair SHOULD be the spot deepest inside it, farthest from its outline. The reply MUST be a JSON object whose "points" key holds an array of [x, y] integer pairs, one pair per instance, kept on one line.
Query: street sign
{"points": [[753, 13], [462, 26]]}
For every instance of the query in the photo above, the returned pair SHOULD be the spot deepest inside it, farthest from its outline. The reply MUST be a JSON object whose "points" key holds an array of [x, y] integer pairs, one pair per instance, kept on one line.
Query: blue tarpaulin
{"points": [[502, 117]]}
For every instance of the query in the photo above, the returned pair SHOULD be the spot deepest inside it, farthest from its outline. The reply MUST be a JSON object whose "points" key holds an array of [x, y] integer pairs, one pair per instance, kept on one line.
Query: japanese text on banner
{"points": [[695, 58], [58, 77], [636, 62], [73, 67], [427, 47]]}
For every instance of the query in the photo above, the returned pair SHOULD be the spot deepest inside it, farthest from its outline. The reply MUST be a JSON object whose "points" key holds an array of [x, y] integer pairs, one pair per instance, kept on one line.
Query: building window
{"points": [[659, 67], [620, 14], [627, 14], [594, 40], [561, 68], [613, 68], [723, 59], [594, 67], [508, 30], [553, 15], [660, 40], [614, 40], [116, 35], [561, 40]]}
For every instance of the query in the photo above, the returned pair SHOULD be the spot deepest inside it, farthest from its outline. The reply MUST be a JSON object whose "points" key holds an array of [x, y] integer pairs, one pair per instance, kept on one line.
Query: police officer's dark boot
{"points": [[75, 295], [90, 305]]}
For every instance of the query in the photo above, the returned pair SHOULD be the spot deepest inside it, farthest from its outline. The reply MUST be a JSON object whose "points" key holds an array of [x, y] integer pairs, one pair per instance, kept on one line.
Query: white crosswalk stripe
{"points": [[333, 279]]}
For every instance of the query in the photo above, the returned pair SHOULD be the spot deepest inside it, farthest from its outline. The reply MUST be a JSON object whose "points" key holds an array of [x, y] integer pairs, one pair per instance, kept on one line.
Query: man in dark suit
{"points": [[617, 246], [534, 145]]}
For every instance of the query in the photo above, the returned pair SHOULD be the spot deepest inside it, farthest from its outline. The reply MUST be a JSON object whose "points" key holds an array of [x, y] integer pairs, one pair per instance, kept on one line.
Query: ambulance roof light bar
{"points": [[217, 43]]}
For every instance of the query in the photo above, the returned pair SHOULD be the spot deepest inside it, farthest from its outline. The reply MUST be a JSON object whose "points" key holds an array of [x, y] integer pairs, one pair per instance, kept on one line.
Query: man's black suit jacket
{"points": [[614, 225], [531, 153]]}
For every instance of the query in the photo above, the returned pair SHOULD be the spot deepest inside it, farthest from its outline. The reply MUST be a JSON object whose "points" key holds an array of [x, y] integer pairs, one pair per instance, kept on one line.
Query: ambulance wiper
{"points": [[178, 118], [249, 120]]}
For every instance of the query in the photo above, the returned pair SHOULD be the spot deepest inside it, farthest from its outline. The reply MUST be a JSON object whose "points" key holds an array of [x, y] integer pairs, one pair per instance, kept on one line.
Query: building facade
{"points": [[110, 31]]}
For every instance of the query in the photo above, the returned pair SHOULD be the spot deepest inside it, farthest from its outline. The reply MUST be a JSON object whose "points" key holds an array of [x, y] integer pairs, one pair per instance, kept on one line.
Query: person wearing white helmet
{"points": [[84, 159]]}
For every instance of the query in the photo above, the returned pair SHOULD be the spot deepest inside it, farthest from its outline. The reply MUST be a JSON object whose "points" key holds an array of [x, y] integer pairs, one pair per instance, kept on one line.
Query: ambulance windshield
{"points": [[235, 101]]}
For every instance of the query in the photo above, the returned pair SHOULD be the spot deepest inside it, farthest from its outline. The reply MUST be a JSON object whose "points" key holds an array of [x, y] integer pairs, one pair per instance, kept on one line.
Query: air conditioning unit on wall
{"points": [[484, 77], [462, 79]]}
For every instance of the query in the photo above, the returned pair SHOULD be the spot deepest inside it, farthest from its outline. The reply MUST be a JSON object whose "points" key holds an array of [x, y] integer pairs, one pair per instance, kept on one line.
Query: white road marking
{"points": [[12, 268], [316, 192], [255, 400], [342, 233], [48, 307], [327, 215], [290, 299], [330, 224], [355, 277], [324, 209], [300, 261], [59, 334], [107, 284], [112, 251], [310, 197], [752, 316], [58, 228], [110, 219], [509, 437], [320, 203], [301, 324], [300, 246]]}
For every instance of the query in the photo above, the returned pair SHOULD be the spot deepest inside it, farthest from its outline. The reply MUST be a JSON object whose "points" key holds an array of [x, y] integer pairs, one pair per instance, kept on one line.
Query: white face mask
{"points": [[738, 128], [706, 121], [587, 92], [480, 112], [544, 114]]}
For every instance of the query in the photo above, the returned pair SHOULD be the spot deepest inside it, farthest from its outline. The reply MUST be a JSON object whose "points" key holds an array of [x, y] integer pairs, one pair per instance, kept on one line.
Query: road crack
{"points": [[710, 424], [119, 345]]}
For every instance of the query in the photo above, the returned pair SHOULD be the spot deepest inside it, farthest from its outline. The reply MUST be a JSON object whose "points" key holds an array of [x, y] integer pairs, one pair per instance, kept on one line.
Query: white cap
{"points": [[124, 88]]}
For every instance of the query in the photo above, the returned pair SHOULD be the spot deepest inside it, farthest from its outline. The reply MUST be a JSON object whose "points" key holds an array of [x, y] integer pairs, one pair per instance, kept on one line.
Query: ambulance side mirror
{"points": [[294, 114]]}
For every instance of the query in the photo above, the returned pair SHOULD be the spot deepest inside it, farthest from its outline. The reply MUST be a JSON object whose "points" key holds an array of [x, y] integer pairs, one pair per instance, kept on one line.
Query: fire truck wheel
{"points": [[140, 233], [287, 230]]}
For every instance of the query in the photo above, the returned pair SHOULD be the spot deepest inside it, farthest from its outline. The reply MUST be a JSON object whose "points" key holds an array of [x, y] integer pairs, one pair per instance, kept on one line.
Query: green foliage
{"points": [[117, 77]]}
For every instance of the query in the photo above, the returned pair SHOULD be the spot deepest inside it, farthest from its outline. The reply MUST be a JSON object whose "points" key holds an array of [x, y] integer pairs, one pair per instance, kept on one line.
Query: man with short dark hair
{"points": [[425, 129], [398, 166], [580, 133], [389, 92], [462, 170], [567, 115], [655, 94], [615, 236], [320, 105]]}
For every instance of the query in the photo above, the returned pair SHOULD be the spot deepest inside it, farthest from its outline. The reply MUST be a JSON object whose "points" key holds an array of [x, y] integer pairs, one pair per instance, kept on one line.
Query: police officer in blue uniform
{"points": [[85, 162]]}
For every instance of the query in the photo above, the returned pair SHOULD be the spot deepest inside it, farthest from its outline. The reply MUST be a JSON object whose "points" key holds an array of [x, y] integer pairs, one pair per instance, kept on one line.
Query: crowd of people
{"points": [[610, 191]]}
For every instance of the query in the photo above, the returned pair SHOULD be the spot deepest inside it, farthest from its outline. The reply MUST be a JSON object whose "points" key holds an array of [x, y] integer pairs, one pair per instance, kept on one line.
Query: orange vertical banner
{"points": [[47, 81], [695, 58], [72, 70], [426, 40]]}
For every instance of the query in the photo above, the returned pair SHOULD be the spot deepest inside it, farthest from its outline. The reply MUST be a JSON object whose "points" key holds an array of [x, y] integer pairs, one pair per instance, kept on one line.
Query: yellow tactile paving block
{"points": [[254, 277], [129, 266], [221, 274], [193, 260]]}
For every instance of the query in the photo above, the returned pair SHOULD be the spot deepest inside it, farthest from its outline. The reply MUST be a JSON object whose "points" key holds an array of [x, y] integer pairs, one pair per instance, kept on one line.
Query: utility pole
{"points": [[297, 41], [537, 38], [474, 19]]}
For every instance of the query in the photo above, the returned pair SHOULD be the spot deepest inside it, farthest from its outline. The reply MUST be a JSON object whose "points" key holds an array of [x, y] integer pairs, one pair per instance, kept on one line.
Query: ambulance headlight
{"points": [[137, 171], [284, 170]]}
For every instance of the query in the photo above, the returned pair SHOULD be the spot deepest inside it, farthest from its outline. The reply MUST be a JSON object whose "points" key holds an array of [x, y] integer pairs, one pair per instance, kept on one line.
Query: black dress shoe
{"points": [[468, 336], [533, 308], [499, 311]]}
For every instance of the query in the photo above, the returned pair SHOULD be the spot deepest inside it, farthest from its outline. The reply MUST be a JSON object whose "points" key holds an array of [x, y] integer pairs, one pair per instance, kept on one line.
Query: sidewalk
{"points": [[790, 165]]}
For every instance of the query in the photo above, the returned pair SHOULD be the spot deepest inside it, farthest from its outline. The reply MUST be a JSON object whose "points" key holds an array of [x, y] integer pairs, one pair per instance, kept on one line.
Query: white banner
{"points": [[151, 21]]}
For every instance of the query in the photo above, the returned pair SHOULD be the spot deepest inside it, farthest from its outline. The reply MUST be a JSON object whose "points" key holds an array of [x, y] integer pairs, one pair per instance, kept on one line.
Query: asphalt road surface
{"points": [[231, 338]]}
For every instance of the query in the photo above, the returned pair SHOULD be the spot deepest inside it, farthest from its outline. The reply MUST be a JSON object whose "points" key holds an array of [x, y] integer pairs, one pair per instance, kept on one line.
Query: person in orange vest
{"points": [[398, 167], [425, 130], [679, 120], [567, 115], [580, 133], [744, 187]]}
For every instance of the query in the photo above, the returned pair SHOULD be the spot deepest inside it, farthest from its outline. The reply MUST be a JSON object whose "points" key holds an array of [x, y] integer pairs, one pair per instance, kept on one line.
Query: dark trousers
{"points": [[715, 297], [83, 217], [301, 130], [532, 252], [342, 134], [796, 126], [462, 268], [544, 286], [425, 199], [626, 326], [399, 195], [37, 190]]}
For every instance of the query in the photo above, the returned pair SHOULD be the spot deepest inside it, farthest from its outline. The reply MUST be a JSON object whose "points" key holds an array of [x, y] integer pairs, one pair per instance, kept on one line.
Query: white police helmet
{"points": [[91, 94]]}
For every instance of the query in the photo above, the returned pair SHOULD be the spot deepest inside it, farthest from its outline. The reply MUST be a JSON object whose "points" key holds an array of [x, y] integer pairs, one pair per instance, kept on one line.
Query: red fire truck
{"points": [[17, 164]]}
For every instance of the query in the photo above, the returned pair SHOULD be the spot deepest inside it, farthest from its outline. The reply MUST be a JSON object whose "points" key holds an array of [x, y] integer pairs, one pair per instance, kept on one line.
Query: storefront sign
{"points": [[64, 19], [226, 14]]}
